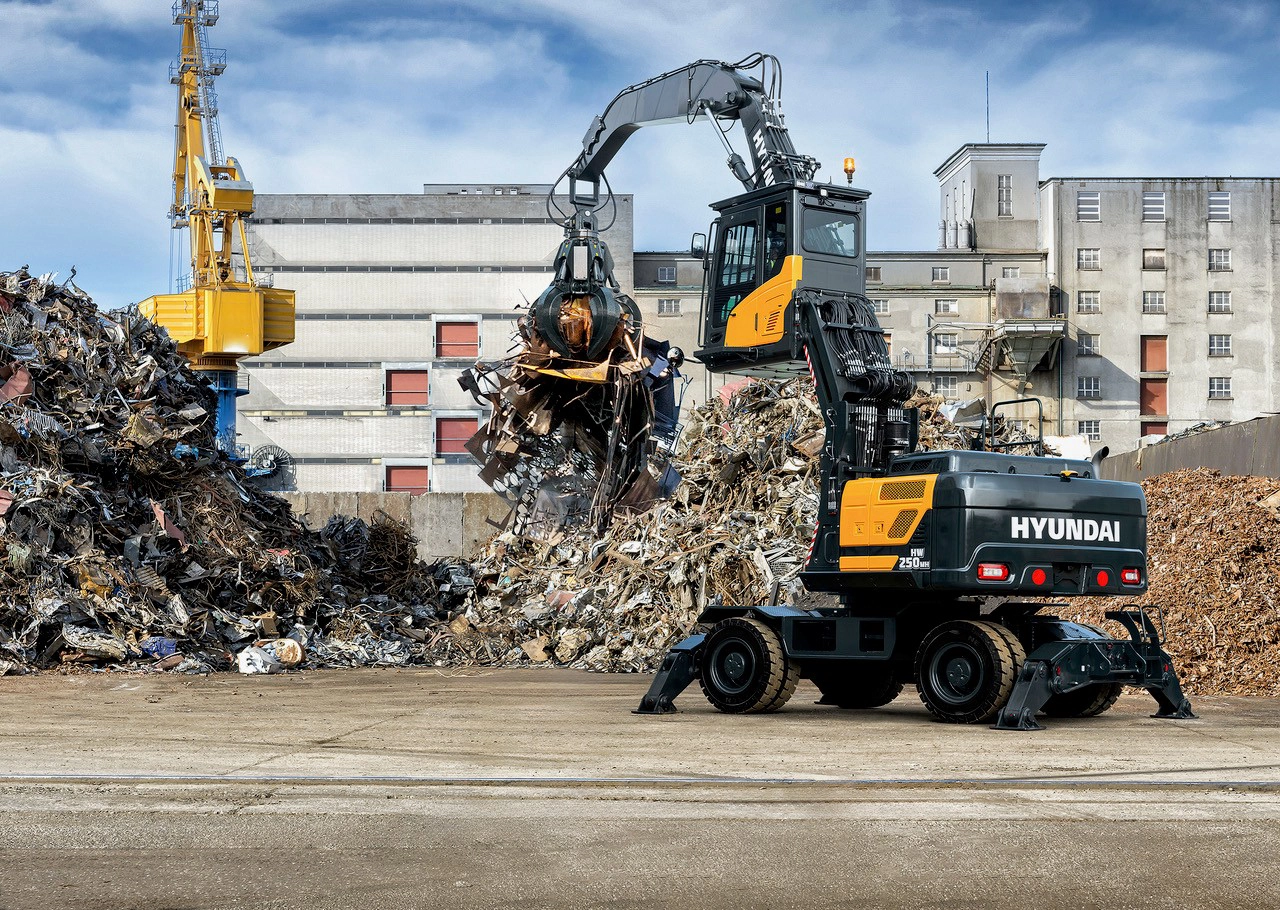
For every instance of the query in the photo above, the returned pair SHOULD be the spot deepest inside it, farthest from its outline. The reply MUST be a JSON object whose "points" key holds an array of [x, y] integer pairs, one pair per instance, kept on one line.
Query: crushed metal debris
{"points": [[126, 537]]}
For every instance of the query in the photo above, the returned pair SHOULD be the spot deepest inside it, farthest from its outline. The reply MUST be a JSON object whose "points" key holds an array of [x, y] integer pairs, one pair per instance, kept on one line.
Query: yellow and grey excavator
{"points": [[225, 314], [935, 555]]}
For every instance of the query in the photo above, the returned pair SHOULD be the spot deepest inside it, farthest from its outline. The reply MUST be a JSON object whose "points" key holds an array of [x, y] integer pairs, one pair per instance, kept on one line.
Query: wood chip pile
{"points": [[1215, 569]]}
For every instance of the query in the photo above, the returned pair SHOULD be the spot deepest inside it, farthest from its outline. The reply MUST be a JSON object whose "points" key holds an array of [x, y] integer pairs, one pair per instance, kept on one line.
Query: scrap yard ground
{"points": [[478, 788]]}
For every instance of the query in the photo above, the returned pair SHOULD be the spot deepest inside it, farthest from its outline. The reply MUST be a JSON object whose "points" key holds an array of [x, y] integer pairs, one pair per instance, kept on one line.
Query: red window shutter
{"points": [[1155, 353], [407, 479], [1154, 428], [452, 434], [457, 339], [1153, 396], [407, 387]]}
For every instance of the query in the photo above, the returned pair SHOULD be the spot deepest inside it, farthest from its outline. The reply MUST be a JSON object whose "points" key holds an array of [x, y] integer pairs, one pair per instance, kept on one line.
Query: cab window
{"points": [[738, 259], [775, 239], [831, 233]]}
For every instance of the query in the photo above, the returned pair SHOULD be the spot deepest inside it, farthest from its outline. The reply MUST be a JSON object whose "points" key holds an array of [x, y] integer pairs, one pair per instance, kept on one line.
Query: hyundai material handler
{"points": [[935, 555]]}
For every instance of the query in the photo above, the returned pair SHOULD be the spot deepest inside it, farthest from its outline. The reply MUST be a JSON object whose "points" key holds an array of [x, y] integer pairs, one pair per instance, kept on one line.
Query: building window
{"points": [[666, 274], [1089, 302], [941, 273], [1219, 345], [880, 307], [1088, 259], [1219, 301], [1219, 260], [1219, 386], [946, 386], [1087, 345], [1219, 206], [1004, 195], [1088, 387], [458, 339], [1088, 206], [1153, 206], [873, 273], [1011, 271], [1153, 259], [946, 307], [668, 307], [1090, 429], [1153, 301], [407, 388], [411, 479], [946, 343], [452, 434]]}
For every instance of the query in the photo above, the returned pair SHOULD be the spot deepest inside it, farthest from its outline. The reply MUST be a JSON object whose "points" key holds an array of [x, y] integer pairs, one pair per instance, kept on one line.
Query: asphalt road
{"points": [[539, 789]]}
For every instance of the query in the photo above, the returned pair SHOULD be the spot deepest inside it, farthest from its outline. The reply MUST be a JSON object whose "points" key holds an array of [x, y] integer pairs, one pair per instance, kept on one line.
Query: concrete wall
{"points": [[1252, 447], [447, 525]]}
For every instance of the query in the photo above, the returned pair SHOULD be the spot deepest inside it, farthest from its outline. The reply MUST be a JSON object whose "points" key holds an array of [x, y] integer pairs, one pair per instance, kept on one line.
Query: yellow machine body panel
{"points": [[224, 320], [882, 512], [760, 317]]}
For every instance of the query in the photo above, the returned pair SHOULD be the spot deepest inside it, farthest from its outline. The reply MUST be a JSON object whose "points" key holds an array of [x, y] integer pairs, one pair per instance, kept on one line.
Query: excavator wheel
{"points": [[857, 687], [743, 669], [965, 670], [1087, 701]]}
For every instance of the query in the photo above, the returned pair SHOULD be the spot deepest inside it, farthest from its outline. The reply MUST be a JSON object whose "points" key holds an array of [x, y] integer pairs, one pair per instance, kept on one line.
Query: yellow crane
{"points": [[224, 314]]}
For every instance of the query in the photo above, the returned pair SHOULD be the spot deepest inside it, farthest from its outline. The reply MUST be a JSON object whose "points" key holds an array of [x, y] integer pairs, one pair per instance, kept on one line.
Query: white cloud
{"points": [[465, 91]]}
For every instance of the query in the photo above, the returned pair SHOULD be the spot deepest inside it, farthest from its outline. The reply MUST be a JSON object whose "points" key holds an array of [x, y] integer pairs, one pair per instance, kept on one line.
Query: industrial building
{"points": [[1130, 307], [397, 294]]}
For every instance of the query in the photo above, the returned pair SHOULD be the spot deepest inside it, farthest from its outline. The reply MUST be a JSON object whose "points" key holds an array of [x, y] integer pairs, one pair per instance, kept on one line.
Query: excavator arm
{"points": [[705, 89]]}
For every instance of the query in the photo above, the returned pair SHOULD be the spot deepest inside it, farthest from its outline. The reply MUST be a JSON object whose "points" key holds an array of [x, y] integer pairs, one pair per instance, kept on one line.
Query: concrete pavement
{"points": [[539, 788]]}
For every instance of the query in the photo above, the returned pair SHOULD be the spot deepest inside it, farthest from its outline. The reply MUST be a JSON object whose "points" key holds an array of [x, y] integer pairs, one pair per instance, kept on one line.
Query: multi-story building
{"points": [[1170, 285], [396, 295], [669, 293], [1129, 306], [972, 318]]}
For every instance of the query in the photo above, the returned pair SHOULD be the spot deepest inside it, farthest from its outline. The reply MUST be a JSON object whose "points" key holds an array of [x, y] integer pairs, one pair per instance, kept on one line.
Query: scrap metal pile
{"points": [[1214, 567], [737, 528], [125, 536]]}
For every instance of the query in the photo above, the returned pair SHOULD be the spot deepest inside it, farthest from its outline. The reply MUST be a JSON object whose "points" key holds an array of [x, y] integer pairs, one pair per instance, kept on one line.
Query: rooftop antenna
{"points": [[988, 107]]}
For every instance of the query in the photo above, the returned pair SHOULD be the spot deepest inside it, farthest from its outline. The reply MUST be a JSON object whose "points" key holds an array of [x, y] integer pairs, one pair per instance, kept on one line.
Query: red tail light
{"points": [[1038, 577], [1104, 578], [993, 571], [1131, 576]]}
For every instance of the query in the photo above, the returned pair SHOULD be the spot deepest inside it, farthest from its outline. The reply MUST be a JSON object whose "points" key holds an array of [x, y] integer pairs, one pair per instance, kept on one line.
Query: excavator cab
{"points": [[766, 245]]}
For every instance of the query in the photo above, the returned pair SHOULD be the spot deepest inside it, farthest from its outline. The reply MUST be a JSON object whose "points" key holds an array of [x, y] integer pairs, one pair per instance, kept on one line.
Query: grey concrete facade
{"points": [[1150, 280], [1127, 264], [378, 278], [669, 293]]}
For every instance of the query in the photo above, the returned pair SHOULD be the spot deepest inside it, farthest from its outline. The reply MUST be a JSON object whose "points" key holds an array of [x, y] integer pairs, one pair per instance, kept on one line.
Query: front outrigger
{"points": [[936, 556]]}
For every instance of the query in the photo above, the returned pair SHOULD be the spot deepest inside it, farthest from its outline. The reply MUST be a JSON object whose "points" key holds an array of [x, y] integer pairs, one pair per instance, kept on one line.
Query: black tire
{"points": [[743, 670], [965, 670], [857, 687], [1087, 701]]}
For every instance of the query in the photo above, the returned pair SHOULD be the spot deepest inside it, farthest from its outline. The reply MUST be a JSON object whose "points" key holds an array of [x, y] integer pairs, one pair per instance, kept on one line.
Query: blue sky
{"points": [[379, 96]]}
